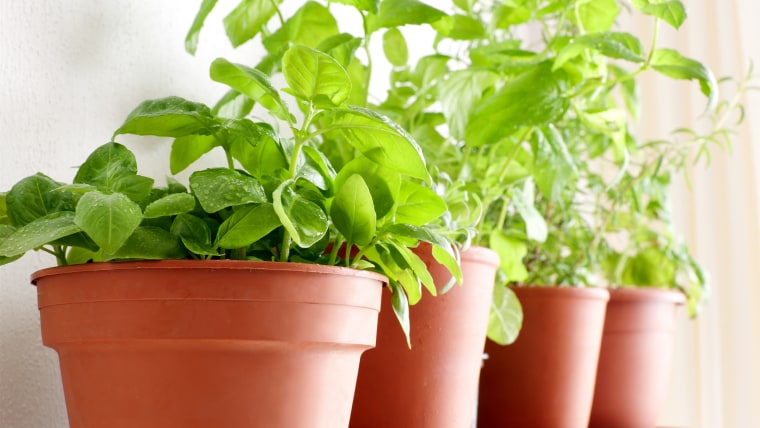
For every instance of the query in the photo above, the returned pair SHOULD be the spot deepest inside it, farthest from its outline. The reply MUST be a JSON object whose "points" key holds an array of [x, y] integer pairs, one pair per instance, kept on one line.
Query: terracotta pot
{"points": [[635, 361], [435, 384], [546, 378], [188, 344]]}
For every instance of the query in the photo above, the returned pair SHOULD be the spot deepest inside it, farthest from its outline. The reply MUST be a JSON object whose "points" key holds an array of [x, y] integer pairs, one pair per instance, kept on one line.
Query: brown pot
{"points": [[435, 384], [189, 344], [634, 364], [546, 378]]}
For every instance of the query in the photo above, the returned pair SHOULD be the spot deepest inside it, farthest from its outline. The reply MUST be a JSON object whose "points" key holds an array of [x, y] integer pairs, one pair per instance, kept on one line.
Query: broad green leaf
{"points": [[672, 64], [365, 5], [400, 305], [507, 15], [41, 231], [378, 138], [383, 183], [419, 233], [511, 252], [650, 267], [460, 27], [188, 149], [239, 137], [108, 219], [5, 231], [597, 15], [169, 117], [611, 122], [430, 70], [309, 26], [448, 257], [318, 162], [315, 76], [396, 13], [303, 219], [394, 47], [265, 159], [532, 99], [524, 200], [191, 40], [218, 188], [459, 92], [418, 205], [113, 168], [34, 197], [341, 47], [352, 211], [251, 82], [169, 205], [233, 105], [506, 316], [610, 44], [673, 12], [247, 225], [194, 233], [150, 243], [174, 186], [248, 18]]}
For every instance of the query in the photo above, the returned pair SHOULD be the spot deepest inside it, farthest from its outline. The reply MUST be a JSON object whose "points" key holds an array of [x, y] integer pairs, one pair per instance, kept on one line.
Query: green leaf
{"points": [[365, 5], [251, 82], [318, 162], [416, 264], [672, 64], [532, 99], [309, 26], [218, 188], [394, 47], [378, 138], [597, 15], [524, 200], [673, 12], [445, 255], [396, 13], [188, 149], [341, 47], [169, 117], [247, 225], [418, 205], [459, 93], [35, 197], [315, 76], [248, 18], [506, 316], [430, 70], [610, 44], [108, 219], [511, 252], [41, 231], [650, 267], [194, 233], [400, 305], [352, 211], [113, 168], [383, 183], [460, 27], [5, 231], [169, 205], [150, 243], [553, 158], [303, 219], [233, 105], [191, 40]]}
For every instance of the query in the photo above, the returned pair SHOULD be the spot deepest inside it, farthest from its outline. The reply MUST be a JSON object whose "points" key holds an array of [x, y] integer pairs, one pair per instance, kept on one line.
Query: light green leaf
{"points": [[383, 183], [169, 205], [248, 18], [673, 12], [251, 82], [247, 225], [460, 27], [218, 188], [511, 252], [597, 15], [352, 211], [108, 219], [113, 168], [418, 205], [650, 267], [341, 47], [415, 263], [610, 44], [150, 243], [365, 5], [506, 316], [41, 231], [188, 149], [459, 92], [303, 219], [309, 26], [191, 40], [400, 305], [315, 76], [394, 47], [169, 117], [5, 231], [398, 273], [233, 105], [448, 257], [672, 64], [397, 13], [524, 200]]}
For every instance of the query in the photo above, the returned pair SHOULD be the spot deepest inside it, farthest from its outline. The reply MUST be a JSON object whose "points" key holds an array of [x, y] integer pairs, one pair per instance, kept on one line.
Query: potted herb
{"points": [[228, 302]]}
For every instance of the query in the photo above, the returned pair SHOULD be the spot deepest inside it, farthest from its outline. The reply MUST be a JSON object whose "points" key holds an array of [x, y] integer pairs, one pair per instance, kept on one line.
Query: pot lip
{"points": [[478, 254], [209, 265], [629, 294], [565, 291]]}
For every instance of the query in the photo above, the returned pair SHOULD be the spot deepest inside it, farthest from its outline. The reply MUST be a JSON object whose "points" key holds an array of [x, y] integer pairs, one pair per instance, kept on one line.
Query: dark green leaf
{"points": [[218, 188], [247, 225], [394, 47], [150, 243], [188, 149], [248, 18], [315, 76], [672, 64], [169, 117], [418, 205], [396, 13], [173, 204], [506, 316], [352, 211], [41, 231], [303, 219], [108, 219], [35, 197], [191, 40], [251, 82], [194, 233]]}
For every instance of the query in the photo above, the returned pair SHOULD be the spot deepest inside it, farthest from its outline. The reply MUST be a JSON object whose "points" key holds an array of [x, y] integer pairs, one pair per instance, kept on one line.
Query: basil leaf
{"points": [[303, 219], [191, 40], [597, 15], [188, 149], [383, 183], [251, 82], [169, 205], [365, 5], [247, 225], [108, 219], [418, 205], [506, 316], [672, 64], [194, 233], [352, 211], [169, 117], [218, 188], [150, 243], [35, 197], [511, 252], [315, 76], [394, 47], [397, 13], [673, 12], [248, 19], [459, 93], [309, 26], [41, 231]]}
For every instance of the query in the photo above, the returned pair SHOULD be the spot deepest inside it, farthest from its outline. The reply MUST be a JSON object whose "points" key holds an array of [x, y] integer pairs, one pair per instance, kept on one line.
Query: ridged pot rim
{"points": [[563, 291], [637, 294], [478, 254], [264, 266]]}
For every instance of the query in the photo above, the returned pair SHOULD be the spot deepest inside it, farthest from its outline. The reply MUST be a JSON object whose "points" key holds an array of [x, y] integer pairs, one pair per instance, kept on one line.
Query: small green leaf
{"points": [[446, 255], [150, 243], [5, 231], [309, 26], [511, 252], [247, 225], [341, 47], [169, 117], [460, 27], [524, 200], [218, 188], [303, 219], [650, 267], [397, 13], [169, 205], [597, 15], [248, 19], [194, 233], [188, 149], [353, 212], [672, 64], [673, 12], [394, 47], [108, 219], [41, 231], [191, 40], [251, 82], [315, 76], [506, 316], [418, 205]]}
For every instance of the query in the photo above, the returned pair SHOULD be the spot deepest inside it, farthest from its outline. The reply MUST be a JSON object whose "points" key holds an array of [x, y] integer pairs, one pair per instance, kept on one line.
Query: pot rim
{"points": [[478, 254], [208, 264], [564, 291], [629, 294]]}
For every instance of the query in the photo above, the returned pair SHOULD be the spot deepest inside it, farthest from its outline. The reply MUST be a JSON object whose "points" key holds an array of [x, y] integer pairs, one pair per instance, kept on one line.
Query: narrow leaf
{"points": [[191, 40]]}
